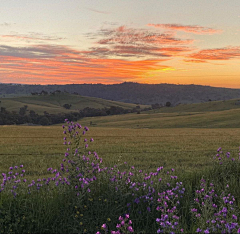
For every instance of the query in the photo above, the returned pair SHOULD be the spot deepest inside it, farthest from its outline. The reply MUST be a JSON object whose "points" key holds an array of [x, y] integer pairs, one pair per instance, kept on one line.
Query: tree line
{"points": [[25, 116]]}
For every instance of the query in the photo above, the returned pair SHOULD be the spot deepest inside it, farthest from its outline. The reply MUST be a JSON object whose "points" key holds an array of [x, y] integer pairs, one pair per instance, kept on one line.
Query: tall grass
{"points": [[83, 196]]}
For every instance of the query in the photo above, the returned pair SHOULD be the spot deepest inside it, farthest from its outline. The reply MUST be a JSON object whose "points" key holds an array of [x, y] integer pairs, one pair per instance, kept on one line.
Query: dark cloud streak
{"points": [[97, 11]]}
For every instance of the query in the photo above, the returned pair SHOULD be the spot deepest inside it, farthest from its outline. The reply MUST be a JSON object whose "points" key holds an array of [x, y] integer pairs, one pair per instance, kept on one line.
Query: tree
{"points": [[67, 106], [156, 106], [32, 113], [23, 110], [44, 92], [3, 109], [168, 104], [44, 121]]}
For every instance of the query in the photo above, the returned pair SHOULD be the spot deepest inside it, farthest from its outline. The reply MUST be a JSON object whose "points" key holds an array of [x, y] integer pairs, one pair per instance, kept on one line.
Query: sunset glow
{"points": [[62, 42]]}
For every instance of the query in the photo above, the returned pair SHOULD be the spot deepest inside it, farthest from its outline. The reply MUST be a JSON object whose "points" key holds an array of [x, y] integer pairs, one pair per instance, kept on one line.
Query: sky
{"points": [[115, 41]]}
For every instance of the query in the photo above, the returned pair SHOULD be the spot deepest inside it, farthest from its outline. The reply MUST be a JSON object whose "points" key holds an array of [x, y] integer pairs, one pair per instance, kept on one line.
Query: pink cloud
{"points": [[124, 35], [196, 29], [137, 43], [225, 53], [56, 64]]}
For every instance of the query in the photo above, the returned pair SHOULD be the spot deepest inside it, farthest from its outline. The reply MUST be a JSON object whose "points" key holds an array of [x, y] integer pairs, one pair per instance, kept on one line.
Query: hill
{"points": [[217, 114], [129, 92], [54, 104]]}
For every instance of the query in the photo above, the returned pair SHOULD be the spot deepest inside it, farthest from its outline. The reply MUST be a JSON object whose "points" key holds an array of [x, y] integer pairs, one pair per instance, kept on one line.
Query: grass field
{"points": [[164, 137], [219, 114], [186, 141], [54, 103], [186, 149], [145, 141], [205, 107]]}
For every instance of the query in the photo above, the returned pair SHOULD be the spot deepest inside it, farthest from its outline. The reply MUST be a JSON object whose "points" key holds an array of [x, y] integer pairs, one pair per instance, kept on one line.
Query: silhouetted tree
{"points": [[156, 106], [67, 106], [23, 110], [3, 109], [44, 121], [168, 104]]}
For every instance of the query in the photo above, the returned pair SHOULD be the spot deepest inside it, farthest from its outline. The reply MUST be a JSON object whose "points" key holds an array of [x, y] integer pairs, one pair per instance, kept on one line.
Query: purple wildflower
{"points": [[104, 226], [234, 217], [130, 229]]}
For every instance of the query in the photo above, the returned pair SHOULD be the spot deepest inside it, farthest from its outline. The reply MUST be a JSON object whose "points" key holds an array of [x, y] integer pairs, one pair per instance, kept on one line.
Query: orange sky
{"points": [[156, 46]]}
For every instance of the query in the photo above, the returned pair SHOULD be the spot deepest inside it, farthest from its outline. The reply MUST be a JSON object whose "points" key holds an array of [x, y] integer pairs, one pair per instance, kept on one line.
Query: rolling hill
{"points": [[130, 92], [53, 104], [219, 114]]}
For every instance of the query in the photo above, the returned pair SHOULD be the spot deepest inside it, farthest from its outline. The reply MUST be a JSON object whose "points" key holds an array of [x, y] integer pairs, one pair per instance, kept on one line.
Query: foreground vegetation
{"points": [[85, 195]]}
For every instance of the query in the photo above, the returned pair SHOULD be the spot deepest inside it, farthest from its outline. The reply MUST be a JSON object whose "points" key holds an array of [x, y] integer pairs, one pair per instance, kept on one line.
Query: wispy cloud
{"points": [[196, 29], [97, 11], [137, 43], [124, 35], [5, 24], [129, 51], [35, 63], [194, 61], [118, 54], [38, 51], [225, 53], [32, 37]]}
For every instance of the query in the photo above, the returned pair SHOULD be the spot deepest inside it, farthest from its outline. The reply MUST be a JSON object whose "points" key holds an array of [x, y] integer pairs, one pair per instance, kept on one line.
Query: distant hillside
{"points": [[132, 92], [210, 106], [54, 104], [219, 114]]}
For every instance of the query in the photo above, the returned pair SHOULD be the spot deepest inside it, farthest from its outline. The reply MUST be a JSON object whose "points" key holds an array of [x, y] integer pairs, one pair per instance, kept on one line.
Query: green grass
{"points": [[204, 107], [189, 151], [206, 115], [220, 119], [54, 103], [186, 149], [145, 141], [185, 140]]}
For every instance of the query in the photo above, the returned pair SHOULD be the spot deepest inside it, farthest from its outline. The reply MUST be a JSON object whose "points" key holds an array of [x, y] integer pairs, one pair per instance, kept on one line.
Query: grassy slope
{"points": [[53, 103], [206, 115], [204, 107], [183, 140]]}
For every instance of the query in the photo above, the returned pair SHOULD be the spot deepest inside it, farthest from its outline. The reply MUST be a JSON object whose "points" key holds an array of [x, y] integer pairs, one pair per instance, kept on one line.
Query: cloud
{"points": [[118, 54], [137, 43], [61, 64], [94, 10], [32, 37], [124, 35], [134, 51], [225, 53], [196, 29], [194, 61], [38, 51], [5, 24]]}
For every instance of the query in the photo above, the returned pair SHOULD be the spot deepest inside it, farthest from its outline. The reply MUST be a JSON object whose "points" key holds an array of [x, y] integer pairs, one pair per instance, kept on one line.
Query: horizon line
{"points": [[120, 83]]}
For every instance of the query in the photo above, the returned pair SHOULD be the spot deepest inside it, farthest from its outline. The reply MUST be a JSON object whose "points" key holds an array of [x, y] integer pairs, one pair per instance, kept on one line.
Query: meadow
{"points": [[157, 179], [186, 149]]}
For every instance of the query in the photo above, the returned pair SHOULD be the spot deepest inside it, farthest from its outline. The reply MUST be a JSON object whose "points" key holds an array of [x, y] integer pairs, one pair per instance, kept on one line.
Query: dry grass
{"points": [[185, 149]]}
